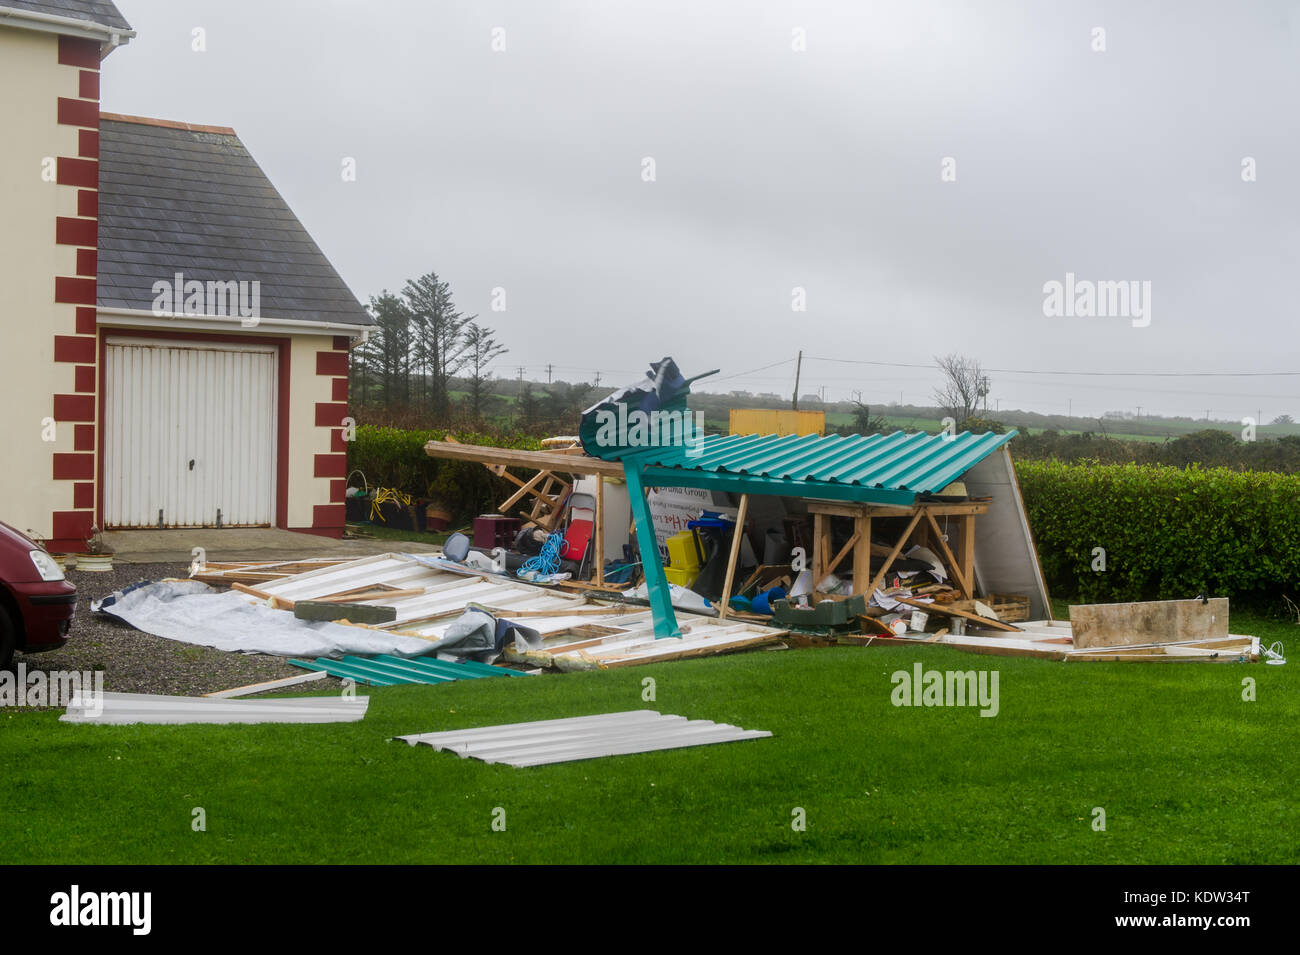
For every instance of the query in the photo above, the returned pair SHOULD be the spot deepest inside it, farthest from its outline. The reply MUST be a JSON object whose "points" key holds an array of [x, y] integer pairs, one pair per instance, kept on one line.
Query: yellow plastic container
{"points": [[682, 578], [683, 553]]}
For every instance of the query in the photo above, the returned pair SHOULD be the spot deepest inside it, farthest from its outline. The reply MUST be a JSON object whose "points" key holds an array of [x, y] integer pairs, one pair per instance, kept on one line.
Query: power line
{"points": [[1093, 374], [742, 374]]}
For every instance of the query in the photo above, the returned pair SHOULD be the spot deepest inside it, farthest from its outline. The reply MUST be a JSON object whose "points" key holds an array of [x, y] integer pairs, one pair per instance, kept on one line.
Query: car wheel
{"points": [[8, 640]]}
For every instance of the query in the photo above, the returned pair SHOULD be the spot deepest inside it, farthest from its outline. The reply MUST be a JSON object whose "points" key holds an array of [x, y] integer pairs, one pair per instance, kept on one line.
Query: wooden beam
{"points": [[523, 491], [937, 607], [893, 554], [862, 555], [938, 508], [967, 525], [963, 581], [1148, 622], [736, 536], [848, 546], [598, 548], [268, 685], [537, 460]]}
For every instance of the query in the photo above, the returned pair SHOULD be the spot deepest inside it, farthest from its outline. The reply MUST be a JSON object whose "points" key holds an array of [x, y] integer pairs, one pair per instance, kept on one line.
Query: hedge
{"points": [[1168, 533], [395, 458]]}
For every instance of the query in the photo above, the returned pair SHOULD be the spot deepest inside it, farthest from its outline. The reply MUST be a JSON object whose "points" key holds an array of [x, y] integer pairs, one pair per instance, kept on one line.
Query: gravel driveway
{"points": [[136, 662]]}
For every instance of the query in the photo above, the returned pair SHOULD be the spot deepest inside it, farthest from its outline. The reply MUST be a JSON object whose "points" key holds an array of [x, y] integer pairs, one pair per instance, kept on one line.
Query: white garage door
{"points": [[190, 431]]}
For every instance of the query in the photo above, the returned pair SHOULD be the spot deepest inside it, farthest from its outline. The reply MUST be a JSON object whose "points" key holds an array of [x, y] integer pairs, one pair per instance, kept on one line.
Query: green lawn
{"points": [[1185, 770]]}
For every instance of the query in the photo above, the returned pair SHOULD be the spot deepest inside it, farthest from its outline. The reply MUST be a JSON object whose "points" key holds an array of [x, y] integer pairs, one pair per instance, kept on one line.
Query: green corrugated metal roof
{"points": [[892, 467], [386, 670]]}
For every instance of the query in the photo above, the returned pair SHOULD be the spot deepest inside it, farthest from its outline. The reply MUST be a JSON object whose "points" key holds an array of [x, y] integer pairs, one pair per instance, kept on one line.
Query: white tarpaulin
{"points": [[193, 612]]}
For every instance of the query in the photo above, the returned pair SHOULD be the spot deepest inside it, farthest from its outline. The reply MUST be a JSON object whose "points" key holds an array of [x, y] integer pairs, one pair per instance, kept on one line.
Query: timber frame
{"points": [[825, 500], [923, 524]]}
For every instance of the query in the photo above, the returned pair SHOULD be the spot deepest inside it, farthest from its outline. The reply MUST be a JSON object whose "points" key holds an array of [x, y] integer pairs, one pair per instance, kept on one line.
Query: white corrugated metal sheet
{"points": [[568, 623], [582, 737], [121, 708], [171, 403]]}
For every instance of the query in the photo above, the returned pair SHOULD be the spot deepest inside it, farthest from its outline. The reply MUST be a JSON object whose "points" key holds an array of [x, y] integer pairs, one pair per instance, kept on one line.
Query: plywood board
{"points": [[1149, 622]]}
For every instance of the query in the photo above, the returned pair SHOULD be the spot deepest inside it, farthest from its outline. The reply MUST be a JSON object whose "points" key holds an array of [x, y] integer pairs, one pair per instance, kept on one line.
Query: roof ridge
{"points": [[166, 123]]}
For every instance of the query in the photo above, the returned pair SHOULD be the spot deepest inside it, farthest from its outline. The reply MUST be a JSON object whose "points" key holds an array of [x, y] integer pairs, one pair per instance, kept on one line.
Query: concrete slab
{"points": [[239, 543]]}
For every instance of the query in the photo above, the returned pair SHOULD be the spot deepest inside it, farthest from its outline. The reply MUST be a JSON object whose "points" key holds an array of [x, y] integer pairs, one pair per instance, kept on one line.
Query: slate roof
{"points": [[101, 12], [174, 197]]}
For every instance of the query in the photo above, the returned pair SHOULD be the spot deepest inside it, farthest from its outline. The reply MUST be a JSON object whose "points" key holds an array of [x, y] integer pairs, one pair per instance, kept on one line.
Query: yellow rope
{"points": [[384, 494]]}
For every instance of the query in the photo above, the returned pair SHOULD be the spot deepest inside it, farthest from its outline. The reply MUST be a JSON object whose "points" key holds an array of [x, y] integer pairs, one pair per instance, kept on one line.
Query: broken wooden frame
{"points": [[548, 490], [578, 632], [923, 516]]}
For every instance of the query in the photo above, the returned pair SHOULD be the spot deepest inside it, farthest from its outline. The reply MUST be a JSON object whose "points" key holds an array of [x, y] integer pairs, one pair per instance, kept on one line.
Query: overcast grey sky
{"points": [[778, 168]]}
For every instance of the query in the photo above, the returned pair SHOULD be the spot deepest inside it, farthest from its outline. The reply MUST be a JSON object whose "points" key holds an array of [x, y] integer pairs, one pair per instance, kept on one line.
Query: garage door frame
{"points": [[282, 347]]}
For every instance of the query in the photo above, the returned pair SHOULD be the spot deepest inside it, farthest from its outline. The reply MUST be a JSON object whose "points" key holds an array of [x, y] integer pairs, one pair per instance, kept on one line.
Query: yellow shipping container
{"points": [[772, 421]]}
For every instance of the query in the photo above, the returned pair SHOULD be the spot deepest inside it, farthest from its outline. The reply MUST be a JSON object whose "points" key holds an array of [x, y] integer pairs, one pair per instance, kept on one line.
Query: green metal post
{"points": [[661, 601]]}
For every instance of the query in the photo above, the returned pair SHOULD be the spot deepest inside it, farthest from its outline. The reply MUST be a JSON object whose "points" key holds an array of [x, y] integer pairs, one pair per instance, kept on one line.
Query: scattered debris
{"points": [[1054, 640], [581, 737], [576, 631]]}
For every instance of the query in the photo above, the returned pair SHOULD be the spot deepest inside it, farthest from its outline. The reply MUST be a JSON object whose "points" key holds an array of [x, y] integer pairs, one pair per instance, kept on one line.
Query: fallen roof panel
{"points": [[395, 671], [119, 709], [582, 737]]}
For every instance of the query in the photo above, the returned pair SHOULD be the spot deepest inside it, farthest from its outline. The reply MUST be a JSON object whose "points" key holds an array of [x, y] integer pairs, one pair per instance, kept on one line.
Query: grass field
{"points": [[1184, 769]]}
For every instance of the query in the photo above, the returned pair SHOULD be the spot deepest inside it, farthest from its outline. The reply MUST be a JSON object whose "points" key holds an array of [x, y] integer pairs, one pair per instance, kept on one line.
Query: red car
{"points": [[36, 603]]}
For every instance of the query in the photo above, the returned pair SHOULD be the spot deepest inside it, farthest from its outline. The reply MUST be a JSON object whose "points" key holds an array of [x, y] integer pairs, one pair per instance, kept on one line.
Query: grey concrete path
{"points": [[234, 543]]}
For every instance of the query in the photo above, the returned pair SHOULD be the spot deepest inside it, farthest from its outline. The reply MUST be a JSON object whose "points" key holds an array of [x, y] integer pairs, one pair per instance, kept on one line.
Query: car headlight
{"points": [[45, 566]]}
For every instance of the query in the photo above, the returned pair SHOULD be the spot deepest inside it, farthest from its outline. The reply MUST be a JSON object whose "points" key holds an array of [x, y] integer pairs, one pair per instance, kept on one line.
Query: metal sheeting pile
{"points": [[582, 737]]}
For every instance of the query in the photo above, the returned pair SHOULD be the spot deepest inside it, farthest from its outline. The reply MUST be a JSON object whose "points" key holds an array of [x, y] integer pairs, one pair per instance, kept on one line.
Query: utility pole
{"points": [[548, 373], [597, 380], [798, 368]]}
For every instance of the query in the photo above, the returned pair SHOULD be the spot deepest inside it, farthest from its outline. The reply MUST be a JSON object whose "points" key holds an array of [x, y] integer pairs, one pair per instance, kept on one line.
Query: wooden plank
{"points": [[245, 589], [963, 581], [268, 685], [952, 612], [939, 509], [598, 548], [376, 594], [736, 537], [523, 492], [536, 460], [893, 553], [967, 525], [848, 546], [1148, 622], [862, 555]]}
